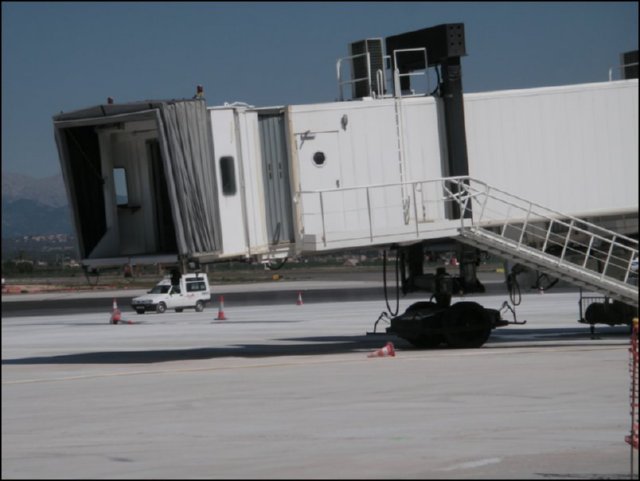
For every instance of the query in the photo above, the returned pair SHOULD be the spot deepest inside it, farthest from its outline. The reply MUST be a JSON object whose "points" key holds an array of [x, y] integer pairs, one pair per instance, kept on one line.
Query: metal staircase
{"points": [[571, 249], [566, 247]]}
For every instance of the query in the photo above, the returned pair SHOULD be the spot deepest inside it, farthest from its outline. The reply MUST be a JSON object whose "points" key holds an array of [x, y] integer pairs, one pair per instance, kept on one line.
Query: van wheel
{"points": [[178, 309], [140, 311], [199, 306], [161, 307]]}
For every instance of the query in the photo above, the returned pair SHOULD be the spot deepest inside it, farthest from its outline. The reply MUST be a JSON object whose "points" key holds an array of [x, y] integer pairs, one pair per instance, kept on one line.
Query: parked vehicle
{"points": [[189, 291]]}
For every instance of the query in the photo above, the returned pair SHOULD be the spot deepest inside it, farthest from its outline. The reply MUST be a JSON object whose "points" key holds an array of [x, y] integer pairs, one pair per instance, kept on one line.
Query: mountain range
{"points": [[32, 206]]}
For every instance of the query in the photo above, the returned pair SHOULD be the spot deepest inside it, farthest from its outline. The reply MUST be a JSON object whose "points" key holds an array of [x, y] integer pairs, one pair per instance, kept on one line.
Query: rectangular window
{"points": [[228, 175], [120, 182], [196, 286]]}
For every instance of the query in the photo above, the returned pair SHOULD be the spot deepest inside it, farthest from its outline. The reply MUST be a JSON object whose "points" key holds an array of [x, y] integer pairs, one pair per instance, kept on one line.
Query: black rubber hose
{"points": [[384, 280], [514, 289]]}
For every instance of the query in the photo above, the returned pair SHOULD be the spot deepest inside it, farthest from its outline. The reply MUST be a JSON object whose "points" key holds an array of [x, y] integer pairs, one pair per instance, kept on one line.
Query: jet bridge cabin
{"points": [[144, 185]]}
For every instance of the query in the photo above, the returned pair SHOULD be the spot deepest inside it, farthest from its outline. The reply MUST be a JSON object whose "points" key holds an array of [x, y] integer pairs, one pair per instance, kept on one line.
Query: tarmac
{"points": [[289, 392]]}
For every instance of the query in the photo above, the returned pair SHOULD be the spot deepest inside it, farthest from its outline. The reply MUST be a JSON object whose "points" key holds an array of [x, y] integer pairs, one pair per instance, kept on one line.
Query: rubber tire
{"points": [[161, 308], [140, 311], [427, 342], [199, 306], [466, 325]]}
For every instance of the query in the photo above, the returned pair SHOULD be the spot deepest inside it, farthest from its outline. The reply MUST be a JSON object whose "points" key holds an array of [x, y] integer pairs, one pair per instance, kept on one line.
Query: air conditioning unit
{"points": [[367, 81]]}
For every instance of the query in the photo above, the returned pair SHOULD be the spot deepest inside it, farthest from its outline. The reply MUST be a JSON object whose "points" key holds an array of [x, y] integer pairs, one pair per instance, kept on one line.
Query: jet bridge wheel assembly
{"points": [[466, 324], [427, 325]]}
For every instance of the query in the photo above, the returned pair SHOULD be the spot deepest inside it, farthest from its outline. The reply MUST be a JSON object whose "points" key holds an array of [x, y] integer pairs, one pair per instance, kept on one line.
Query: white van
{"points": [[189, 291]]}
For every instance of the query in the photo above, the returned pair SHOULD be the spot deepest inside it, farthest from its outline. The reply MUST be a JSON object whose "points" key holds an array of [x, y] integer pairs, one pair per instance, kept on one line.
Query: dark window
{"points": [[196, 286], [319, 158], [120, 181], [228, 175]]}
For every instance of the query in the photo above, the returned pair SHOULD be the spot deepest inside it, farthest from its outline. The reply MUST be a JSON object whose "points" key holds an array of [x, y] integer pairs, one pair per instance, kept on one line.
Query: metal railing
{"points": [[593, 253], [423, 209], [341, 82], [397, 89], [381, 74]]}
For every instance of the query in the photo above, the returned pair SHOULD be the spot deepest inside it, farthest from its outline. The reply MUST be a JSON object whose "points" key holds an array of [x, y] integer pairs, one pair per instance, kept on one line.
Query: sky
{"points": [[63, 56]]}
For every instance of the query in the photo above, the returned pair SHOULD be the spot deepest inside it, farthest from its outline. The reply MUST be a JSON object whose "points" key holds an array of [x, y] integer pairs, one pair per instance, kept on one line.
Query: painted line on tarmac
{"points": [[473, 464], [422, 356], [184, 370]]}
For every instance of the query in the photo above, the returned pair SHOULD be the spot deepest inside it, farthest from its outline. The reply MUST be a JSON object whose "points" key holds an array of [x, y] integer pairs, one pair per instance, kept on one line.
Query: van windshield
{"points": [[160, 289]]}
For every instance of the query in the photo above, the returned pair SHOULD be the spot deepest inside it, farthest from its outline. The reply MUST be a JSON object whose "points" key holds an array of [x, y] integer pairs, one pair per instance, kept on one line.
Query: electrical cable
{"points": [[438, 84], [514, 289], [282, 263], [384, 280]]}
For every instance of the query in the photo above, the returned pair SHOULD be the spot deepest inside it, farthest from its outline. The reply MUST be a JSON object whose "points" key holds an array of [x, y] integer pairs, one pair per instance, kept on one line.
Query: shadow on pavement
{"points": [[324, 345]]}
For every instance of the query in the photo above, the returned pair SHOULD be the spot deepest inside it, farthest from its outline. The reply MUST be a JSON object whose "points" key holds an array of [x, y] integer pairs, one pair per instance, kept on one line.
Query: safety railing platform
{"points": [[569, 248]]}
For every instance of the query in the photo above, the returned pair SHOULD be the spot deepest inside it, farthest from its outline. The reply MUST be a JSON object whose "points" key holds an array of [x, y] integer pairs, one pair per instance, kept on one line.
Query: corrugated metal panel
{"points": [[276, 178]]}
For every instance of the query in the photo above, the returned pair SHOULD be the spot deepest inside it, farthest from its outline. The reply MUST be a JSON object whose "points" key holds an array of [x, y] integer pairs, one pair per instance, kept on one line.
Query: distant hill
{"points": [[48, 191], [33, 206]]}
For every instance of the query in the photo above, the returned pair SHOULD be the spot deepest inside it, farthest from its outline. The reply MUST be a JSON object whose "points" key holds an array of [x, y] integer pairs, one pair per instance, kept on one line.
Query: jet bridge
{"points": [[139, 180]]}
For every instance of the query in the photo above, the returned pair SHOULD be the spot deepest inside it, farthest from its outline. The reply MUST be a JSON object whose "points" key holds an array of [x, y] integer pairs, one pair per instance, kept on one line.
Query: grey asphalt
{"points": [[289, 392]]}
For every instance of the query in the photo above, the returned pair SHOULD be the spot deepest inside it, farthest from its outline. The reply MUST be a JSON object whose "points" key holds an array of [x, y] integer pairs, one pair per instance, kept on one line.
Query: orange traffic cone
{"points": [[299, 301], [221, 316], [116, 316], [387, 350]]}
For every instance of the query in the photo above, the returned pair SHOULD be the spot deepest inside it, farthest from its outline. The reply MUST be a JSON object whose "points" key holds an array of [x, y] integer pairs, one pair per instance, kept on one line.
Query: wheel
{"points": [[178, 309], [199, 306], [161, 307], [466, 325], [140, 311], [427, 342], [595, 313]]}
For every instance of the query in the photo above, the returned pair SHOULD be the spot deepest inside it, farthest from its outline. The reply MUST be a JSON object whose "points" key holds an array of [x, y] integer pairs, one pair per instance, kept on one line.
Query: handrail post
{"points": [[546, 239], [415, 208], [506, 221], [369, 212], [324, 232], [586, 257], [369, 73], [626, 275], [524, 226], [484, 204], [463, 205], [338, 65], [566, 242], [606, 264]]}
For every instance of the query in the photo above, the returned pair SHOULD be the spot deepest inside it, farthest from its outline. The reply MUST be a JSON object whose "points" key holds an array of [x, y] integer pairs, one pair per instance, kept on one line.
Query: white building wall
{"points": [[234, 241], [252, 185], [573, 149], [362, 148]]}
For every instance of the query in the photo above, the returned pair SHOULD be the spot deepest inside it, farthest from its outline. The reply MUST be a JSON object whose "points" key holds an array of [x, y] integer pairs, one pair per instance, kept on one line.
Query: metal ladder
{"points": [[566, 247]]}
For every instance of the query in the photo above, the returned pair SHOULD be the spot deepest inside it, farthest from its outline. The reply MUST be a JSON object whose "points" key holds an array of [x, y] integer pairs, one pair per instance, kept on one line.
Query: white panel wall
{"points": [[234, 241], [251, 175], [363, 150], [573, 149]]}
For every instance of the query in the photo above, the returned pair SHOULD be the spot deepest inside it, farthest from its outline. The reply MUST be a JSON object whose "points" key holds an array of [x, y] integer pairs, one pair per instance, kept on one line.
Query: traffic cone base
{"points": [[387, 350], [116, 316], [221, 316]]}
